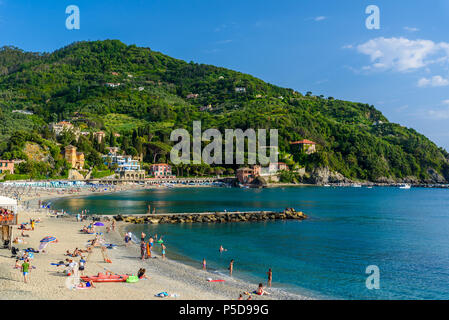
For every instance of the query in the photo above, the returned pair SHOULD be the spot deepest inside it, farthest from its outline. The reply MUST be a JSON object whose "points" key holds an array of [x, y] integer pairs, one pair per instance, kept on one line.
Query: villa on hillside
{"points": [[248, 175], [99, 136], [76, 159], [161, 170], [127, 168], [61, 126], [305, 145], [273, 169], [6, 166]]}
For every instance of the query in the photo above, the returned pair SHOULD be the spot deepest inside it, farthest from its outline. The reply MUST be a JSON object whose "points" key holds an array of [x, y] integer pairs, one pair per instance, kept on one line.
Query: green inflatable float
{"points": [[132, 279]]}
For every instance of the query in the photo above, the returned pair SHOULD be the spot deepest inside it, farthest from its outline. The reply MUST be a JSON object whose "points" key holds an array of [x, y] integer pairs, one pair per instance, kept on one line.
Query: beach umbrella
{"points": [[48, 239], [99, 224], [45, 241]]}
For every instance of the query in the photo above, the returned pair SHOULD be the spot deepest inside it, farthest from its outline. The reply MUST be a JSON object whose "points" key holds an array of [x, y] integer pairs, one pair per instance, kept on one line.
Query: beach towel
{"points": [[162, 294]]}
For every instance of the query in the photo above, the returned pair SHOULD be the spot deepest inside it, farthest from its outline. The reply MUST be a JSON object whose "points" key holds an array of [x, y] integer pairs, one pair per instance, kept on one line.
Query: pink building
{"points": [[161, 170], [6, 166]]}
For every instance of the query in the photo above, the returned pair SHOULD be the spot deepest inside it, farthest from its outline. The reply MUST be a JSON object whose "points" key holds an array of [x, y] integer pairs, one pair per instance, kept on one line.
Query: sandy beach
{"points": [[47, 281]]}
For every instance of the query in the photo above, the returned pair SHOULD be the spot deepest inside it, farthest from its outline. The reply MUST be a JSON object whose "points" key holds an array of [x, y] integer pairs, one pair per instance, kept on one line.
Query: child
{"points": [[25, 270], [141, 274], [163, 251], [82, 265]]}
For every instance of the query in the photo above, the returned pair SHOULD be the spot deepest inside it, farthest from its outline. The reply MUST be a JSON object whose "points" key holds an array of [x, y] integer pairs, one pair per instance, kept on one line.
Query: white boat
{"points": [[356, 185], [327, 185], [405, 186]]}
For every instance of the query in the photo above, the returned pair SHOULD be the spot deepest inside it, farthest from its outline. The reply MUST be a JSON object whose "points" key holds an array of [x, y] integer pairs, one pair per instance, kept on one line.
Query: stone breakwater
{"points": [[212, 217]]}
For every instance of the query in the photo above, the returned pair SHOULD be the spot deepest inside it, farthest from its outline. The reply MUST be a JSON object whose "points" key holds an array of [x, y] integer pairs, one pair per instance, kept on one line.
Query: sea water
{"points": [[405, 233]]}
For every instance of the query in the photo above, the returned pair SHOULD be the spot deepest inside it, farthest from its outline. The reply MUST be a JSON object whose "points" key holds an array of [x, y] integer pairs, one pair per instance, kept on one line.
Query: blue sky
{"points": [[319, 46]]}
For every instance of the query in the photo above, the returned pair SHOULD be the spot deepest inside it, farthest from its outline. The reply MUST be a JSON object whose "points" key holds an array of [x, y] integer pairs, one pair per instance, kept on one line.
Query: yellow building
{"points": [[76, 159]]}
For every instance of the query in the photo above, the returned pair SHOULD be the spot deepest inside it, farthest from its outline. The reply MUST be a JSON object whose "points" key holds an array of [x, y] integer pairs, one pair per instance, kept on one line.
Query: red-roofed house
{"points": [[306, 146]]}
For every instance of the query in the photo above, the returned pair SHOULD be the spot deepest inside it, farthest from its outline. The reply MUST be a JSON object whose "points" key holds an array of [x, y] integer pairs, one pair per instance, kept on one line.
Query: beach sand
{"points": [[49, 282]]}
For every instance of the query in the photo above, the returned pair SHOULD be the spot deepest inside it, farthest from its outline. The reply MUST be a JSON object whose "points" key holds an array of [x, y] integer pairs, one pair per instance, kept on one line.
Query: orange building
{"points": [[76, 159]]}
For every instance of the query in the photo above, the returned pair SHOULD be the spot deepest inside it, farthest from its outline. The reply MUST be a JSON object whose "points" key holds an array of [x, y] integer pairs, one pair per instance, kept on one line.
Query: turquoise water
{"points": [[403, 232]]}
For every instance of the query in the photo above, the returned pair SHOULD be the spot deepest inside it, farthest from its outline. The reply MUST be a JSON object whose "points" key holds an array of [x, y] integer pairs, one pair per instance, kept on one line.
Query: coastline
{"points": [[167, 275]]}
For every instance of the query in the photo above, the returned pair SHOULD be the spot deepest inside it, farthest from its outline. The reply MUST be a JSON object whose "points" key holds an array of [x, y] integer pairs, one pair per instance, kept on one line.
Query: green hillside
{"points": [[354, 139]]}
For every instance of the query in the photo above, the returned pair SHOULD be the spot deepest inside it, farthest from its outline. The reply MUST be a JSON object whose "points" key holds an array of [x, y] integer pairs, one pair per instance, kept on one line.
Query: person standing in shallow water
{"points": [[231, 267], [270, 277], [163, 250], [204, 263]]}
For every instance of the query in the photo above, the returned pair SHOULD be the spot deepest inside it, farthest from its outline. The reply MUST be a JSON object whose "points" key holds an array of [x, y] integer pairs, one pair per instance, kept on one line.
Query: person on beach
{"points": [[270, 277], [113, 225], [163, 250], [32, 224], [142, 236], [260, 290], [82, 265], [142, 249], [148, 250], [151, 242], [141, 274], [240, 297], [25, 270], [204, 263], [231, 267], [17, 266], [127, 240]]}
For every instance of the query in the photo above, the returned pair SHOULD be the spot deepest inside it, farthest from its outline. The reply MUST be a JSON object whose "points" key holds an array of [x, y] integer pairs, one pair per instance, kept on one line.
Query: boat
{"points": [[357, 185], [105, 278], [405, 186]]}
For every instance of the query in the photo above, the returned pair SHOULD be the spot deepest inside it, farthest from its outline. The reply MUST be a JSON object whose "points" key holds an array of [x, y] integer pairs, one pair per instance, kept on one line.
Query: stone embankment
{"points": [[213, 217]]}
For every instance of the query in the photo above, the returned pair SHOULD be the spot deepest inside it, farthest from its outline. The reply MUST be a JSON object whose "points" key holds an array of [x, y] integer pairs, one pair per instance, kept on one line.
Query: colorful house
{"points": [[161, 170], [6, 166], [76, 159], [305, 145]]}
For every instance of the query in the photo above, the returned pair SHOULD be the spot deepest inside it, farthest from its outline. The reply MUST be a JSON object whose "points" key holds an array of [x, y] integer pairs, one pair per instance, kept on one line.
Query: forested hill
{"points": [[138, 92]]}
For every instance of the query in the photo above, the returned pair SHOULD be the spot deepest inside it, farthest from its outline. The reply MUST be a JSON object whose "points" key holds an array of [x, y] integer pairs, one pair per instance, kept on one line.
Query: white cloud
{"points": [[445, 102], [435, 81], [411, 29], [320, 18], [402, 55], [348, 46], [439, 114]]}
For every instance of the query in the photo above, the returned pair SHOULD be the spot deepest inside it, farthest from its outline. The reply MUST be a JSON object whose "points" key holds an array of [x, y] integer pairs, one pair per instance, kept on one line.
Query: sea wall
{"points": [[215, 217]]}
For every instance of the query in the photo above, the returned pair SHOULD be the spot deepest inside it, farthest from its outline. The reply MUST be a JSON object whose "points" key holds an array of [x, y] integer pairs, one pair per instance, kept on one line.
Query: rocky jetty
{"points": [[213, 217]]}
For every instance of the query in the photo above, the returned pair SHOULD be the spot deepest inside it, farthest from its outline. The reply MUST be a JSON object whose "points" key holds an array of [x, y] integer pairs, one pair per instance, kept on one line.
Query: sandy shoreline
{"points": [[166, 275]]}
